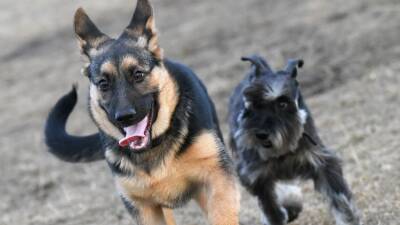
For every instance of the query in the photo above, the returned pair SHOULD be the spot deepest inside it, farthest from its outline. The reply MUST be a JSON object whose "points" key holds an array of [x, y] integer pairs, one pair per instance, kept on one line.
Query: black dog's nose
{"points": [[262, 135], [125, 116]]}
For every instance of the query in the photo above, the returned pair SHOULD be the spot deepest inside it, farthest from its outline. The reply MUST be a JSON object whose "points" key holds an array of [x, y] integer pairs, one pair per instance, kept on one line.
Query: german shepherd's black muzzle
{"points": [[125, 112]]}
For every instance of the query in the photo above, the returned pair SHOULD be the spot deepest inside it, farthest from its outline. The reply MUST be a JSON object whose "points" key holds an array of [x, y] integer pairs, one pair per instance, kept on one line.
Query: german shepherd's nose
{"points": [[125, 116]]}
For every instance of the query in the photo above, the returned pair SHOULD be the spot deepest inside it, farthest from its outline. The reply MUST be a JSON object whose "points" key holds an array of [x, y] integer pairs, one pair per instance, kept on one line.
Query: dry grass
{"points": [[351, 81]]}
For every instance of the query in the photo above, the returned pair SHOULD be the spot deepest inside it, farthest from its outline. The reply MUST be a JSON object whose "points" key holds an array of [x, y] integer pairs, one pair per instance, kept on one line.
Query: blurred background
{"points": [[350, 80]]}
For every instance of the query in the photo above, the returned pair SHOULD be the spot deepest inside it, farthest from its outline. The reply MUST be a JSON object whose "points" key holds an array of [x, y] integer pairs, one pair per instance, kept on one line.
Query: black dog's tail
{"points": [[67, 147]]}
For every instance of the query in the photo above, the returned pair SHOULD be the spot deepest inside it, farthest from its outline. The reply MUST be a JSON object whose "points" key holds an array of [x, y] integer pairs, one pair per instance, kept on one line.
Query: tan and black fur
{"points": [[185, 159]]}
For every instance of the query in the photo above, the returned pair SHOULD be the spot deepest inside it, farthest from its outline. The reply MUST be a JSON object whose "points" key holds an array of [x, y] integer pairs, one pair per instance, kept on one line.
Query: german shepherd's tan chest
{"points": [[174, 178]]}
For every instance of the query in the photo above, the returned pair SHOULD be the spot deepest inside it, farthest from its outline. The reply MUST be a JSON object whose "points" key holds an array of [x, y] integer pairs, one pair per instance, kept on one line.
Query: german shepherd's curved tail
{"points": [[65, 146]]}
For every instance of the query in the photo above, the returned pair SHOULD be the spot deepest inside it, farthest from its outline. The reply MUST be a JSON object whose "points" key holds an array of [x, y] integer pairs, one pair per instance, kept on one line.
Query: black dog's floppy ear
{"points": [[260, 65], [142, 28], [293, 65], [89, 36]]}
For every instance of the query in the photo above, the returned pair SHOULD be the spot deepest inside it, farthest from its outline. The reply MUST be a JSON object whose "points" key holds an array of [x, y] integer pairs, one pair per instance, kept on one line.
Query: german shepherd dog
{"points": [[275, 141], [158, 129]]}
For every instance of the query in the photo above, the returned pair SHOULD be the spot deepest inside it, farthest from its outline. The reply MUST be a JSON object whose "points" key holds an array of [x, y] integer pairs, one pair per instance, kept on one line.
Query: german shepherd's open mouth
{"points": [[138, 136]]}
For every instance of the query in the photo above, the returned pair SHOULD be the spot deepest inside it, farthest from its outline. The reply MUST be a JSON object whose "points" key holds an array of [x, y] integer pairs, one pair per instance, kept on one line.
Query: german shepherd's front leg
{"points": [[146, 214], [220, 199]]}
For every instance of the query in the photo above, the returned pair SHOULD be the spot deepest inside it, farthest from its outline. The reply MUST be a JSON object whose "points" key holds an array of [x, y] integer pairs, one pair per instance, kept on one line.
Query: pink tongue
{"points": [[134, 133]]}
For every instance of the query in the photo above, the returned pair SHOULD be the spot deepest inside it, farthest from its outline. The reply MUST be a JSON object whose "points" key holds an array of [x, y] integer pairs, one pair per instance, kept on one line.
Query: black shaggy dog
{"points": [[274, 139], [158, 130]]}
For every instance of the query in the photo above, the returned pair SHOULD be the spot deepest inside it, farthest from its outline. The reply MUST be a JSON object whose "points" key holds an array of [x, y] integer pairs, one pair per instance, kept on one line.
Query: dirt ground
{"points": [[351, 81]]}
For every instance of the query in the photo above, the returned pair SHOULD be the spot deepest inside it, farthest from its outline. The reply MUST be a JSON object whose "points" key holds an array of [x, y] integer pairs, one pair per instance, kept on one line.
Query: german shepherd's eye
{"points": [[283, 102], [103, 85], [138, 76]]}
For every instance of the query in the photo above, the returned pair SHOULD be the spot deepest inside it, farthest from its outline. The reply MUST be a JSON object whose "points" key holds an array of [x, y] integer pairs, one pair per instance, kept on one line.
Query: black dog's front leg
{"points": [[264, 189], [330, 182]]}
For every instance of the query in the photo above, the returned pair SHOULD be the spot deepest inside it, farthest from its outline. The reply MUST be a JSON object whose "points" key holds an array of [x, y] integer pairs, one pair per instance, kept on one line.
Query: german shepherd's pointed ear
{"points": [[89, 36], [142, 28]]}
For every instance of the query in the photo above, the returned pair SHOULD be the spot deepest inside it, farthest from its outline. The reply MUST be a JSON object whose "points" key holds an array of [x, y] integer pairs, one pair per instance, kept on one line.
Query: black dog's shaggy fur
{"points": [[183, 156], [274, 139]]}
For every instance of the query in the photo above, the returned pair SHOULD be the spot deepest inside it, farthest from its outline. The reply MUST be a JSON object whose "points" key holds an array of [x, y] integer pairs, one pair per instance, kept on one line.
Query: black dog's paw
{"points": [[293, 211]]}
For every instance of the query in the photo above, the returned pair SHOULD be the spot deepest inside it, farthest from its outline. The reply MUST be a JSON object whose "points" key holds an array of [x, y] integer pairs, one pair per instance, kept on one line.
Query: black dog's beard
{"points": [[284, 139]]}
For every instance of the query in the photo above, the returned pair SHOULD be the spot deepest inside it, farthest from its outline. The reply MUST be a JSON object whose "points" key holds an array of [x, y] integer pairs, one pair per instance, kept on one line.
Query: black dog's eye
{"points": [[138, 76], [103, 85], [283, 102], [283, 105]]}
